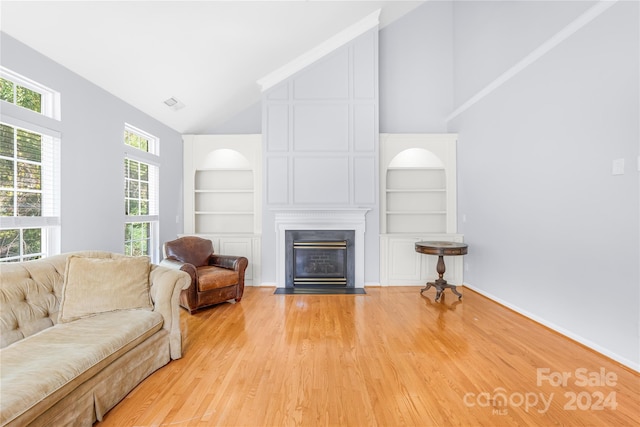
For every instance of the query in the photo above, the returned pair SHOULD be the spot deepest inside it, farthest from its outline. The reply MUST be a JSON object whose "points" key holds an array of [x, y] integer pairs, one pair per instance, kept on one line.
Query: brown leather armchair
{"points": [[214, 278]]}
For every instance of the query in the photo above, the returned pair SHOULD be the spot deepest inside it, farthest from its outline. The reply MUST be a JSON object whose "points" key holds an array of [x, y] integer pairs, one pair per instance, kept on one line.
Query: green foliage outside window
{"points": [[137, 238], [20, 172], [20, 189], [137, 235], [136, 187], [20, 95], [136, 141], [10, 242], [6, 90]]}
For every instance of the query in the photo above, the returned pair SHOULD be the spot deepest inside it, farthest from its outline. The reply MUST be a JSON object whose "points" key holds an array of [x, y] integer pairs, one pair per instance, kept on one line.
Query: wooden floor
{"points": [[388, 358]]}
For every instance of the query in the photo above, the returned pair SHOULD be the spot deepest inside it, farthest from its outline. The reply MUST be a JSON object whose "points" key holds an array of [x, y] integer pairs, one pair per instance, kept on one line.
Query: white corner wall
{"points": [[551, 232]]}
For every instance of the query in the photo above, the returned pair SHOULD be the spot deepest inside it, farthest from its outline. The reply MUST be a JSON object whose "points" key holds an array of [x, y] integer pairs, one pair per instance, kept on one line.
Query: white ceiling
{"points": [[207, 54]]}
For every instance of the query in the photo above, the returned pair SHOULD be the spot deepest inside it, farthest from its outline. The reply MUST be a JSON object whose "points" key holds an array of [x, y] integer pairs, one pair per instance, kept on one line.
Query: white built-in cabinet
{"points": [[222, 200], [418, 203]]}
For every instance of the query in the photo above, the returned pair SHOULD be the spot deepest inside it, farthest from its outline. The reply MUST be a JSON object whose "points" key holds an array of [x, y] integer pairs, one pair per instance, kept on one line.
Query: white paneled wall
{"points": [[321, 131], [320, 144]]}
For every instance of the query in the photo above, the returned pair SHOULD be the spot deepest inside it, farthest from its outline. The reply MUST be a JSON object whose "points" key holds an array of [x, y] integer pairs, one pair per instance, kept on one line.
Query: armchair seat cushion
{"points": [[212, 277]]}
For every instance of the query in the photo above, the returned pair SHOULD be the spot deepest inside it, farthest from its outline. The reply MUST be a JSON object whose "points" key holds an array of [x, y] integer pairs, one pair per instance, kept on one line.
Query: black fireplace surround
{"points": [[319, 258]]}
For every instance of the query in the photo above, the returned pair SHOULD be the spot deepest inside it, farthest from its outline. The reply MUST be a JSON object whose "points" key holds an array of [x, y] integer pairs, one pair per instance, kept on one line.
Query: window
{"points": [[29, 188], [18, 90], [140, 193], [29, 169], [20, 95]]}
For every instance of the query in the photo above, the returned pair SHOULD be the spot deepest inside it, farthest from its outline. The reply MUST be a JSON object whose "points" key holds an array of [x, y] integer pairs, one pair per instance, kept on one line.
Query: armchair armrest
{"points": [[231, 262], [165, 287]]}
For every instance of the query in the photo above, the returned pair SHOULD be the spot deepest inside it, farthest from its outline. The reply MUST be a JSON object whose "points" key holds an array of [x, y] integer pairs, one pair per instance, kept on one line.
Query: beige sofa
{"points": [[79, 331]]}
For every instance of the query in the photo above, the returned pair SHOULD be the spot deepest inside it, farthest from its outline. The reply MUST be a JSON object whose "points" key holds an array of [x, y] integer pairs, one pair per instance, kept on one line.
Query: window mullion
{"points": [[15, 171]]}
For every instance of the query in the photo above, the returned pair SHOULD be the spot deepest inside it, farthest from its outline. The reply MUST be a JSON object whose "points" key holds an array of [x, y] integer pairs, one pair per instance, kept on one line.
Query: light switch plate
{"points": [[617, 167]]}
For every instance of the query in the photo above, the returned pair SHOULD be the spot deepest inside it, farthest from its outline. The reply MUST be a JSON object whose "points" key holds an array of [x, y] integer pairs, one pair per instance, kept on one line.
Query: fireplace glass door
{"points": [[320, 262], [319, 258]]}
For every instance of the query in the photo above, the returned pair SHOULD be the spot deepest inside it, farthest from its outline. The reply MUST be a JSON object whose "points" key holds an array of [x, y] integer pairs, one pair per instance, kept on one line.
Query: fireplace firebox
{"points": [[319, 258]]}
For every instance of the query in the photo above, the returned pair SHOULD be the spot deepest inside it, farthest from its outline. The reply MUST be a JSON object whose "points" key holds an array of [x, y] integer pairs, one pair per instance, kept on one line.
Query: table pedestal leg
{"points": [[441, 284]]}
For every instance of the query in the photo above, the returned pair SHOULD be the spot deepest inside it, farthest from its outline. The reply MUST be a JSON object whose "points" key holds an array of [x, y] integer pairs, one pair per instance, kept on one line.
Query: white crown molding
{"points": [[540, 51], [308, 58]]}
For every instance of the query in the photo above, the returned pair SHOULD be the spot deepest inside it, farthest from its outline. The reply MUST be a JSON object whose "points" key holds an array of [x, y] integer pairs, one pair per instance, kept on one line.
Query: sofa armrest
{"points": [[166, 285], [176, 264]]}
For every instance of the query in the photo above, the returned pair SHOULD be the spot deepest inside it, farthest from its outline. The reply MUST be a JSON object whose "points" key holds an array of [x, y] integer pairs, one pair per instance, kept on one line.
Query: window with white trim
{"points": [[25, 93], [29, 172], [141, 173]]}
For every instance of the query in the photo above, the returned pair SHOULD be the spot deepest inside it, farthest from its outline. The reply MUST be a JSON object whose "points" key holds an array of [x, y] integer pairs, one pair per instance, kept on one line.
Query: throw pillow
{"points": [[100, 285]]}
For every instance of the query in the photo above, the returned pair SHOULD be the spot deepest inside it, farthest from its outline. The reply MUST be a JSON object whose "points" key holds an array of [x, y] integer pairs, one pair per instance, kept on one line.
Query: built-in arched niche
{"points": [[418, 188], [416, 193], [223, 193], [418, 203], [222, 187]]}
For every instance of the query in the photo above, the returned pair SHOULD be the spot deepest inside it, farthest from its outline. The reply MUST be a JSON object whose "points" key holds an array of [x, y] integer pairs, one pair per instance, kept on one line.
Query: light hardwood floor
{"points": [[388, 358]]}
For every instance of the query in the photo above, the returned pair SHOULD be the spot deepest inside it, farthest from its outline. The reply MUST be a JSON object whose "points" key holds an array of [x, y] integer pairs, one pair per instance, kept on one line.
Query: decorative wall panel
{"points": [[277, 180], [279, 93], [327, 79], [365, 187], [365, 65], [277, 135], [321, 127], [321, 131], [364, 127], [321, 180]]}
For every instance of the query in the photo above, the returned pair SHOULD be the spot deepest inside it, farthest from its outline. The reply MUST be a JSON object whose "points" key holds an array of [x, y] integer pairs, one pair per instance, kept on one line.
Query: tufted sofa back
{"points": [[30, 294]]}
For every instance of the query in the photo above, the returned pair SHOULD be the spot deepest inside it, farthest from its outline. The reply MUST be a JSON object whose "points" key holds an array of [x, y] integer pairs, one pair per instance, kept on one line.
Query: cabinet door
{"points": [[402, 265], [403, 262], [238, 246]]}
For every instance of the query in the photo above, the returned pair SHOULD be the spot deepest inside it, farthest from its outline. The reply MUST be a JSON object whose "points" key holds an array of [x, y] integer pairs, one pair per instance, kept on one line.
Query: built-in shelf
{"points": [[415, 199], [418, 202], [222, 184], [223, 195], [223, 200]]}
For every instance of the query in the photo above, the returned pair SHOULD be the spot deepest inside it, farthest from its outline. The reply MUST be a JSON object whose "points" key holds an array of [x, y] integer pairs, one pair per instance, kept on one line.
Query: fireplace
{"points": [[319, 258], [318, 219]]}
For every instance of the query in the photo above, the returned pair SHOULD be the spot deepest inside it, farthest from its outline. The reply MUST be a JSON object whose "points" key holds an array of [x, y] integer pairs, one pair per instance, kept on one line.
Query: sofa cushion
{"points": [[29, 297], [41, 369], [99, 285]]}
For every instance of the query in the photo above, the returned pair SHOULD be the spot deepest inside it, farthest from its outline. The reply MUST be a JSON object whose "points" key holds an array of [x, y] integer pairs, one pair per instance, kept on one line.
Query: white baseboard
{"points": [[593, 346], [268, 285]]}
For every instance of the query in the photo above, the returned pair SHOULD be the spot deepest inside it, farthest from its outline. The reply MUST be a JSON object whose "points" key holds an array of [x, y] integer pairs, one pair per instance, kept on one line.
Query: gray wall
{"points": [[416, 71], [92, 174], [551, 232], [248, 122]]}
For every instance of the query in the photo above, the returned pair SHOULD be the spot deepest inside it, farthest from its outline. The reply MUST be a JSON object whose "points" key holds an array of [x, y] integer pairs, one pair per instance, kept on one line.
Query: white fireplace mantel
{"points": [[320, 219]]}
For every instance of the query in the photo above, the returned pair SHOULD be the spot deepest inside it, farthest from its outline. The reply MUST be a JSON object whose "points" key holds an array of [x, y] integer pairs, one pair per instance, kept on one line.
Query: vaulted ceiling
{"points": [[207, 54]]}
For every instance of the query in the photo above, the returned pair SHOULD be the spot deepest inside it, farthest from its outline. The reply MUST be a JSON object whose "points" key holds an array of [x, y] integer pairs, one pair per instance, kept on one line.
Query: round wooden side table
{"points": [[441, 249]]}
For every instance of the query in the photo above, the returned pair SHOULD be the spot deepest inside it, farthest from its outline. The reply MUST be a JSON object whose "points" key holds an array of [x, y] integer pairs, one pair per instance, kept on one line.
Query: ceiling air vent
{"points": [[173, 103]]}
